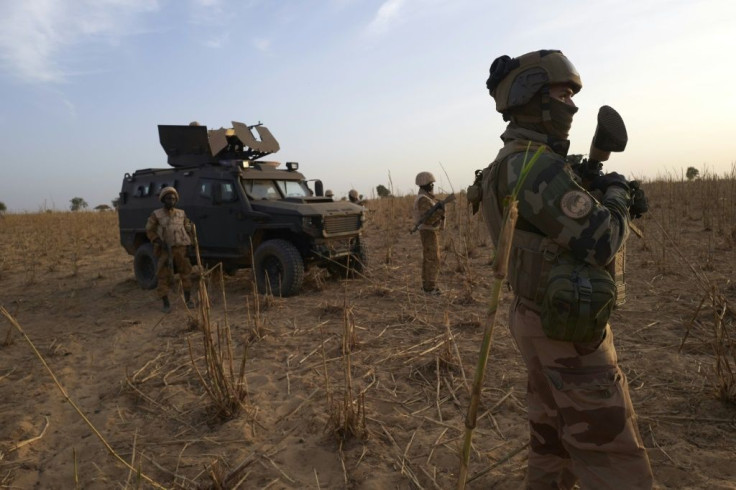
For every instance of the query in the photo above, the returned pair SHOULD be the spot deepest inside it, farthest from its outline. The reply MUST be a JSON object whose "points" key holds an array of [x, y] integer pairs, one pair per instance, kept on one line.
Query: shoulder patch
{"points": [[576, 204]]}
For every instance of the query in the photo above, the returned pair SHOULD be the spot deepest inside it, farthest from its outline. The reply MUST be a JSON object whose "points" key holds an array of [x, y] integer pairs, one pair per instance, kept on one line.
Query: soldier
{"points": [[581, 419], [171, 233], [354, 198], [429, 230], [329, 193]]}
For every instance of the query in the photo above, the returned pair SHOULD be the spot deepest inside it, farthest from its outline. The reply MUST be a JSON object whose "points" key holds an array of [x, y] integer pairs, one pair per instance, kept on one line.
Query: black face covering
{"points": [[545, 115], [559, 122], [169, 204]]}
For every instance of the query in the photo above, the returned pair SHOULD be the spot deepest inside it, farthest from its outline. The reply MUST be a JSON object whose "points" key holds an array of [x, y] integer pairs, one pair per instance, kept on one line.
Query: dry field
{"points": [[352, 384]]}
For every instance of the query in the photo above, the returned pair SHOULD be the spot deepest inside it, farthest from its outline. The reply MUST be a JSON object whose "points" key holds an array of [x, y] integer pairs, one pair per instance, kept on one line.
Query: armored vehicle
{"points": [[248, 212]]}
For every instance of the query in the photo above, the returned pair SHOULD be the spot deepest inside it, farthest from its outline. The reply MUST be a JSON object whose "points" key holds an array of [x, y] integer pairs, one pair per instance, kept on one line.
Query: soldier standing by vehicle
{"points": [[355, 198], [170, 231], [429, 230], [581, 419]]}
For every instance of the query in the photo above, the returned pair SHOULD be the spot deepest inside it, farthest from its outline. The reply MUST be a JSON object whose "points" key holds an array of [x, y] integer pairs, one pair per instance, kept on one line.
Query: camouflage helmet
{"points": [[167, 190], [514, 81], [353, 194], [424, 178], [329, 193]]}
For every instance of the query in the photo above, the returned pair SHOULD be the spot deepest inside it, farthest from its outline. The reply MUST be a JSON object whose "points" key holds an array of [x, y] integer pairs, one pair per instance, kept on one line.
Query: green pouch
{"points": [[577, 303]]}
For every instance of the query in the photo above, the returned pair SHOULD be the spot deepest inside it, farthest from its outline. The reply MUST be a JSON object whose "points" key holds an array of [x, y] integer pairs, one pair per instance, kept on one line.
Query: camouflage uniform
{"points": [[429, 233], [582, 423], [173, 228]]}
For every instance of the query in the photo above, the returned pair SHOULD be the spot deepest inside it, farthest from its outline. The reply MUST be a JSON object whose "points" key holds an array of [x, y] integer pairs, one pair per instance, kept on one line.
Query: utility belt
{"points": [[574, 299]]}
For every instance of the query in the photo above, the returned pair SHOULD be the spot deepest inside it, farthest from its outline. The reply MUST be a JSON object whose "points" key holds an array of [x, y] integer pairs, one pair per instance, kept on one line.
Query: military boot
{"points": [[188, 299], [167, 306]]}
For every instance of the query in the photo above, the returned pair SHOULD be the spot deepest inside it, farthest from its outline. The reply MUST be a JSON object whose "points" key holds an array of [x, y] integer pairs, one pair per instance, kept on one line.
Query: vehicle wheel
{"points": [[144, 264], [279, 268]]}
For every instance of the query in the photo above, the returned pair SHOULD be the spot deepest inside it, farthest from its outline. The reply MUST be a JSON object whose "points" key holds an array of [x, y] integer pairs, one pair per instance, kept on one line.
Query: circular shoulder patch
{"points": [[576, 204]]}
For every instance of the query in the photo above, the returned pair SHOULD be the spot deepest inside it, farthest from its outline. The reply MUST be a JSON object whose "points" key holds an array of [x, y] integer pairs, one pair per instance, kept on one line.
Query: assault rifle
{"points": [[430, 211]]}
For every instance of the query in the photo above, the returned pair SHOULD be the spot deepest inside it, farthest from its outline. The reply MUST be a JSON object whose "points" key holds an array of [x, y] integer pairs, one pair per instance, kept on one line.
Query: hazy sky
{"points": [[360, 93]]}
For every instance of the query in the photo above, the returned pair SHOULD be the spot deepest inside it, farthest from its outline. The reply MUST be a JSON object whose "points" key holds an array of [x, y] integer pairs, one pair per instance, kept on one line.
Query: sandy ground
{"points": [[130, 370]]}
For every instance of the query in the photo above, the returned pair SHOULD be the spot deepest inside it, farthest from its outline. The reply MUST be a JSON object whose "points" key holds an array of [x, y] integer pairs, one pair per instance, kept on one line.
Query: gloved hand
{"points": [[603, 182], [639, 202], [157, 241]]}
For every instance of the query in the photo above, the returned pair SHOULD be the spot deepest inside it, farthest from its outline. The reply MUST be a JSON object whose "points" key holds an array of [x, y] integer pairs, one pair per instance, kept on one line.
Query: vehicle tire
{"points": [[279, 268], [144, 264]]}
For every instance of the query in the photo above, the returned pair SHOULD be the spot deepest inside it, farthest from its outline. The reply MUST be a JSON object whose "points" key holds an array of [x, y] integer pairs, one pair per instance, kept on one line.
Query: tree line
{"points": [[77, 203]]}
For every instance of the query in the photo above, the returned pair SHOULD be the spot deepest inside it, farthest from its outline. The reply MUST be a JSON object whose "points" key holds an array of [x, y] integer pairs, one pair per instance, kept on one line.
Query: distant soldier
{"points": [[329, 193], [356, 198], [170, 231], [429, 230]]}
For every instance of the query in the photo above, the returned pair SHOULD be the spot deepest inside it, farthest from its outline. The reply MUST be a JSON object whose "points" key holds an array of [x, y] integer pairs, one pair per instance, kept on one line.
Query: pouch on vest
{"points": [[532, 257], [577, 303]]}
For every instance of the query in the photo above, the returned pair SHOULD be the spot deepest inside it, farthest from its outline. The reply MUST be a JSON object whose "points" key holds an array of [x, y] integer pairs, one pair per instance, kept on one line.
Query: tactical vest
{"points": [[532, 255], [171, 227], [428, 224]]}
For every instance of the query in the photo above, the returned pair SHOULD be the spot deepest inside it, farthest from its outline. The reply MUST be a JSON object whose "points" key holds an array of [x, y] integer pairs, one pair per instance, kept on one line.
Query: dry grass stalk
{"points": [[225, 387], [500, 270], [724, 349], [30, 440], [347, 416], [109, 448], [8, 338], [498, 463], [391, 218]]}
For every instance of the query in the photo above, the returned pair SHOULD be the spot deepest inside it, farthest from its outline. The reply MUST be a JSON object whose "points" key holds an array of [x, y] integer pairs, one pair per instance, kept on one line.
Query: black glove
{"points": [[639, 202], [603, 182]]}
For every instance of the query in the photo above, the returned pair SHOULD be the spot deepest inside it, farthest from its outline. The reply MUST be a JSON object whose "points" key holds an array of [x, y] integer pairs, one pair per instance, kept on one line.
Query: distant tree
{"points": [[692, 173], [77, 203], [102, 207], [382, 191], [3, 208], [115, 202]]}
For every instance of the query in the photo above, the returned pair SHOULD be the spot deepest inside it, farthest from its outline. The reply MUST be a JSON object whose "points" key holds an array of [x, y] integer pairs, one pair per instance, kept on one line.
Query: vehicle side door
{"points": [[219, 215]]}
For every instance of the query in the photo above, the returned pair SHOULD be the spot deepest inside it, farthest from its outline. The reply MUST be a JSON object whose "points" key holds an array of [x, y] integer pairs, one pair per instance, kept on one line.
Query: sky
{"points": [[360, 92]]}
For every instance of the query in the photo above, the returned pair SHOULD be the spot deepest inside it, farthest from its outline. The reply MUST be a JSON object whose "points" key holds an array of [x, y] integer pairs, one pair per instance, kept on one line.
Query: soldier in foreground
{"points": [[170, 231], [429, 223], [581, 419]]}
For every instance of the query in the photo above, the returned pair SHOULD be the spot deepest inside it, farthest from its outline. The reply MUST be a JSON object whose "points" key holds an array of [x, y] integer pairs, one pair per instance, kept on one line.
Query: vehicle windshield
{"points": [[269, 189], [293, 188]]}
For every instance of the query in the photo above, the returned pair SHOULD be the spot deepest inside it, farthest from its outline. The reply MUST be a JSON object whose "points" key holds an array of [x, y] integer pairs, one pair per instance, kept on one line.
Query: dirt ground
{"points": [[129, 367]]}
